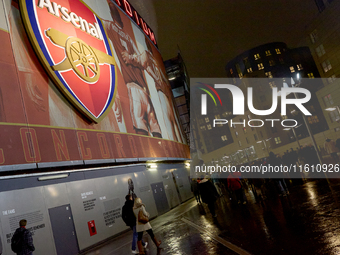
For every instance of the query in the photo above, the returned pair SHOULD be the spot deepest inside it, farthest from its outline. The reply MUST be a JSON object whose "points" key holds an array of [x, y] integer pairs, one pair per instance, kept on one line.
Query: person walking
{"points": [[22, 241], [130, 220], [195, 190], [139, 211], [234, 184], [208, 194], [331, 148]]}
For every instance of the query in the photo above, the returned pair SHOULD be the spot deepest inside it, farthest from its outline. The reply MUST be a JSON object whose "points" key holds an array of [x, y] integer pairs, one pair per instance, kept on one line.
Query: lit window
{"points": [[328, 100], [231, 71], [217, 116], [277, 140], [269, 74], [334, 116], [272, 84], [320, 51], [239, 70], [257, 56], [203, 128], [278, 51], [260, 66], [239, 143], [326, 65], [292, 70], [224, 138], [268, 53], [313, 36], [250, 70], [206, 119], [299, 67], [310, 75], [313, 119], [209, 126], [271, 62], [331, 79]]}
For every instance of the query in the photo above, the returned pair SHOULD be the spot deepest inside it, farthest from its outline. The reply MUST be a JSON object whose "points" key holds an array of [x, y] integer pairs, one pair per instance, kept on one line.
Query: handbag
{"points": [[142, 218]]}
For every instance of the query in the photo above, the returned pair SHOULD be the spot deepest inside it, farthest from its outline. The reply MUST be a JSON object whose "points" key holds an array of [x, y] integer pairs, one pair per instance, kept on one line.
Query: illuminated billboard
{"points": [[82, 80]]}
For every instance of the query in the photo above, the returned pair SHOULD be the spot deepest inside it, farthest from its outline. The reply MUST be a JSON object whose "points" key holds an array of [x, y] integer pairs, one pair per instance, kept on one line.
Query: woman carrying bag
{"points": [[143, 224]]}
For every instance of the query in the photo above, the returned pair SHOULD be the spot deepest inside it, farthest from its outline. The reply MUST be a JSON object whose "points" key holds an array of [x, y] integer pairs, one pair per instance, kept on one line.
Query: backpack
{"points": [[17, 240]]}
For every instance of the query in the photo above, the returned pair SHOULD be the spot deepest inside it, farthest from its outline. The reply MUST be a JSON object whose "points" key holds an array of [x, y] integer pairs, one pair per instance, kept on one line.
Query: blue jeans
{"points": [[135, 238]]}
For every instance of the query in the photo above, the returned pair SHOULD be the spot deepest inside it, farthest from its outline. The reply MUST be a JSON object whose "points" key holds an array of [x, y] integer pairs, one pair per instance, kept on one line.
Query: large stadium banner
{"points": [[82, 81]]}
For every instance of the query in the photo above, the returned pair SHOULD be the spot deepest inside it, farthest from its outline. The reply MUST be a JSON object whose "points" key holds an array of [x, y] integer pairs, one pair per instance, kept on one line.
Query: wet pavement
{"points": [[304, 222]]}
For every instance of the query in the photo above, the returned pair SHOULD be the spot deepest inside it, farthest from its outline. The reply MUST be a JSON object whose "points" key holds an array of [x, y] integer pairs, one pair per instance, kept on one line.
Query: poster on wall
{"points": [[86, 83]]}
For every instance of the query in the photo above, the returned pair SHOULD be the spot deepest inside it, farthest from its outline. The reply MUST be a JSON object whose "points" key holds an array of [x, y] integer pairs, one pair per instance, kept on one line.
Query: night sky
{"points": [[210, 33]]}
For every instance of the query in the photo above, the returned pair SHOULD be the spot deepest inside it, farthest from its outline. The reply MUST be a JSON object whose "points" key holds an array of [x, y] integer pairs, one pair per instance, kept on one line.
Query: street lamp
{"points": [[305, 120], [295, 136], [265, 144]]}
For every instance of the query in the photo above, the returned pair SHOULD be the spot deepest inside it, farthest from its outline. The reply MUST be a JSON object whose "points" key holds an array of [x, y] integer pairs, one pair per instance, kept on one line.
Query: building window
{"points": [[239, 70], [299, 67], [268, 53], [236, 134], [310, 75], [239, 143], [250, 70], [231, 71], [209, 126], [224, 138], [257, 56], [278, 51], [292, 70], [255, 137], [326, 65], [206, 119], [260, 66], [234, 126], [203, 128], [320, 51], [277, 140], [217, 116], [334, 116], [283, 117], [328, 100], [271, 62], [313, 36], [247, 140], [331, 79], [269, 74], [272, 84], [313, 119], [320, 4]]}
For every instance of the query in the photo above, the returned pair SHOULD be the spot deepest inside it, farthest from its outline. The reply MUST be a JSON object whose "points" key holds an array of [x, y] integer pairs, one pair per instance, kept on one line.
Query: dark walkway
{"points": [[305, 222]]}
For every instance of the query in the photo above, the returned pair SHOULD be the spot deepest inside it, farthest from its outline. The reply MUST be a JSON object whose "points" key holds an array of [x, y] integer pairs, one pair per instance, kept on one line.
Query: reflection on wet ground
{"points": [[304, 222]]}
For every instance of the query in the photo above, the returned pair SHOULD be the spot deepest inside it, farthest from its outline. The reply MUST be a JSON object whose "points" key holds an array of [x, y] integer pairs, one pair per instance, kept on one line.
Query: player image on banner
{"points": [[142, 111], [33, 79]]}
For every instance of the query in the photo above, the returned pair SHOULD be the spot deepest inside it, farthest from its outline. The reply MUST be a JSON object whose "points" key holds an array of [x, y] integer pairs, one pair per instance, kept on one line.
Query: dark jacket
{"points": [[27, 244], [208, 191], [127, 214]]}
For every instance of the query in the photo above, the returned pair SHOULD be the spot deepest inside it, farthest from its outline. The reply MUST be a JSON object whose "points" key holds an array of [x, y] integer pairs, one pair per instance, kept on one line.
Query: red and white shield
{"points": [[71, 42]]}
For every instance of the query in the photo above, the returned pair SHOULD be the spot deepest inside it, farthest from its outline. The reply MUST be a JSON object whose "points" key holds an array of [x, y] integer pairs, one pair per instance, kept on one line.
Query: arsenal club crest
{"points": [[71, 42]]}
